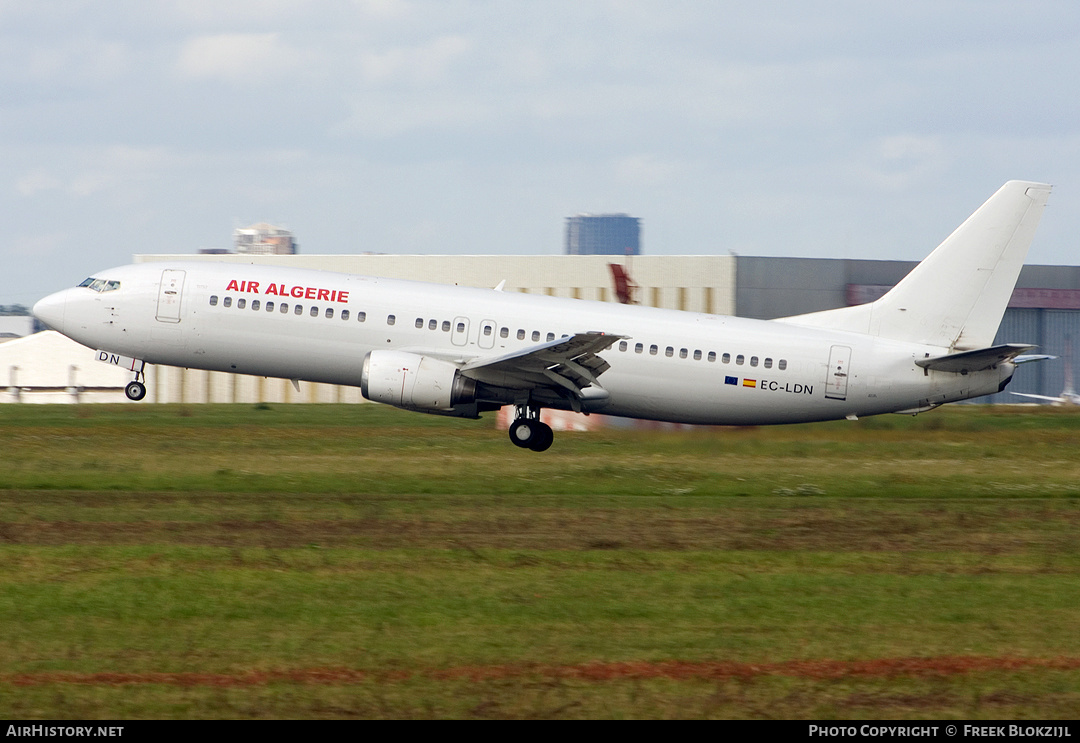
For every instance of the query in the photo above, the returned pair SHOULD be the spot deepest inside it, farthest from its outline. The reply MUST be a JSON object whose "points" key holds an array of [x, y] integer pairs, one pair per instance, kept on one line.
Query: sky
{"points": [[814, 129]]}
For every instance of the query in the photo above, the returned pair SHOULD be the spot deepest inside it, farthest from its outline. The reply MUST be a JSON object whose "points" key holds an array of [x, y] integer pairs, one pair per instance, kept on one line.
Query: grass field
{"points": [[358, 561]]}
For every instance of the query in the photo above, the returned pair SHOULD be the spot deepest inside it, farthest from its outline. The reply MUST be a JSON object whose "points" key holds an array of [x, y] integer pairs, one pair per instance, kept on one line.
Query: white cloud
{"points": [[86, 172], [242, 58], [37, 181], [702, 117], [421, 65], [898, 162], [210, 13], [383, 8], [70, 62], [378, 116]]}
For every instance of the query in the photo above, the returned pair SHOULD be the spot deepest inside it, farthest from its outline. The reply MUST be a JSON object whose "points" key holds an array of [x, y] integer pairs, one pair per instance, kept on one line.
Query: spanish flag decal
{"points": [[749, 383]]}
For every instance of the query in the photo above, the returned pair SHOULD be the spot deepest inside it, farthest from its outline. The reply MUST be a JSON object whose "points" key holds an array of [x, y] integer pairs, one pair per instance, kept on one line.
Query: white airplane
{"points": [[462, 351]]}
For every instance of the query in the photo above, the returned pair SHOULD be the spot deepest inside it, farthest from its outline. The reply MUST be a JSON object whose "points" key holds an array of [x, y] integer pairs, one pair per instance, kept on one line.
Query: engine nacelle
{"points": [[414, 382]]}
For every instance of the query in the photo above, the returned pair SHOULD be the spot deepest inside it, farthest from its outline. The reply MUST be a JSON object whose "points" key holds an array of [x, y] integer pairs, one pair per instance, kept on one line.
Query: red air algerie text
{"points": [[297, 292]]}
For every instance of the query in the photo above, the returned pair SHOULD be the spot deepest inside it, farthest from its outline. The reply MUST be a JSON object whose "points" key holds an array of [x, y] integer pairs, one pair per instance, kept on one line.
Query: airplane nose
{"points": [[50, 310]]}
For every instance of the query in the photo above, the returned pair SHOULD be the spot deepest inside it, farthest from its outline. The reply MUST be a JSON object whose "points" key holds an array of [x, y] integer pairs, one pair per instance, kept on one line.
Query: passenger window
{"points": [[669, 351], [419, 323], [299, 310], [726, 358], [768, 363], [622, 345], [433, 325], [487, 330], [712, 356], [520, 334], [753, 361], [740, 359], [461, 327], [551, 336], [682, 353], [361, 317], [536, 335], [782, 365], [255, 304], [697, 355], [213, 300], [391, 319], [653, 349], [284, 308], [504, 332], [446, 326], [344, 314], [269, 306], [241, 303], [329, 312], [227, 302], [639, 347]]}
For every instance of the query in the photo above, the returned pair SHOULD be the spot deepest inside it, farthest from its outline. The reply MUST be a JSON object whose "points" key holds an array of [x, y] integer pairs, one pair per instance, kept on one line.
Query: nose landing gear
{"points": [[135, 390], [528, 431]]}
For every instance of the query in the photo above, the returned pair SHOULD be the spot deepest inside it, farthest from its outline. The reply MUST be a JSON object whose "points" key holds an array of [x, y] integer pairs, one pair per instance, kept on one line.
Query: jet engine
{"points": [[414, 382]]}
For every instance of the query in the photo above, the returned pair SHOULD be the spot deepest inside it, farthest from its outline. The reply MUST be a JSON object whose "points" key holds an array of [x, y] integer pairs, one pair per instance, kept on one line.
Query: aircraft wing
{"points": [[570, 363]]}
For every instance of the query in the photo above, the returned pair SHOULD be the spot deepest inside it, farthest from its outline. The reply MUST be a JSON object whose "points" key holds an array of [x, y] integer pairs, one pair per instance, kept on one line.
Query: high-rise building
{"points": [[603, 234], [264, 239]]}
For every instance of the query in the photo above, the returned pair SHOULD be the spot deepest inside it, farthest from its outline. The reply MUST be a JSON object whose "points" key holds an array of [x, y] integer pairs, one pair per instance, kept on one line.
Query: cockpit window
{"points": [[100, 285]]}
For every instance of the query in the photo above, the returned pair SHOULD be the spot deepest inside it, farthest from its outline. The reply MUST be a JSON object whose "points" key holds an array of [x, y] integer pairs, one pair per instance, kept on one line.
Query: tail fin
{"points": [[957, 296]]}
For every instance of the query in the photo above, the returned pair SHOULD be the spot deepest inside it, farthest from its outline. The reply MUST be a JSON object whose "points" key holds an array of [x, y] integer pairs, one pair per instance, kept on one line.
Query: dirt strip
{"points": [[677, 670]]}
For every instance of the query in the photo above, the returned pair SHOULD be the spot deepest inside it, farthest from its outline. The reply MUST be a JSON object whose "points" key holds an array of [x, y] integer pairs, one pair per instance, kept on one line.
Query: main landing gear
{"points": [[528, 431]]}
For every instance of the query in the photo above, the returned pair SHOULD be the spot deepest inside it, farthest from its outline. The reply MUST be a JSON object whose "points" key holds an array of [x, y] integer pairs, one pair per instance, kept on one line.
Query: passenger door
{"points": [[170, 293]]}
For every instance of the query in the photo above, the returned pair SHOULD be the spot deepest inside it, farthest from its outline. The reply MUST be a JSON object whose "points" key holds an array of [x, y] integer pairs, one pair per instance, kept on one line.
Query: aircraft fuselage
{"points": [[668, 365]]}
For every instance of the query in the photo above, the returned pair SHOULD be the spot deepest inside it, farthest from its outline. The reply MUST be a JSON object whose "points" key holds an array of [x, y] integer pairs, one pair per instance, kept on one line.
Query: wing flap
{"points": [[569, 363]]}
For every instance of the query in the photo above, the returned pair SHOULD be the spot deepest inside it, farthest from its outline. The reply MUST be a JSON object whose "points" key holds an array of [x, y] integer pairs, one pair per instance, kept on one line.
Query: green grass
{"points": [[375, 450], [403, 549]]}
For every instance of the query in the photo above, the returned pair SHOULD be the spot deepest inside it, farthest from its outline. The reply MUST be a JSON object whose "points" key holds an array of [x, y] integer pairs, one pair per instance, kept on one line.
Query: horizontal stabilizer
{"points": [[973, 361], [1027, 358], [1038, 397]]}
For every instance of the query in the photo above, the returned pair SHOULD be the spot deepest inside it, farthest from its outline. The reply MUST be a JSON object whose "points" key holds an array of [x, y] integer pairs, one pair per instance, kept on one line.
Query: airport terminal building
{"points": [[1045, 308]]}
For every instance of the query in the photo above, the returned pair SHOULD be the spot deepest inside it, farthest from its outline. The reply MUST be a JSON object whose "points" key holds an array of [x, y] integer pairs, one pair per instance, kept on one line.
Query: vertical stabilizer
{"points": [[957, 296]]}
